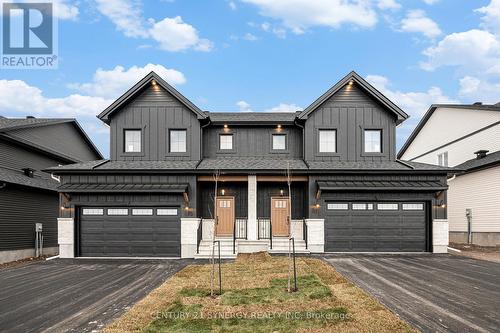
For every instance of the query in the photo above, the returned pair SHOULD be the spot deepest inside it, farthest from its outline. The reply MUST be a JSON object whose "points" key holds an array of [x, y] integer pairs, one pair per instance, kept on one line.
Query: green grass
{"points": [[195, 292], [310, 286], [189, 318]]}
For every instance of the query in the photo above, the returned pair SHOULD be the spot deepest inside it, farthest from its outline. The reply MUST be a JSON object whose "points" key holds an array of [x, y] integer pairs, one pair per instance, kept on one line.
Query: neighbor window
{"points": [[373, 140], [178, 141], [327, 141], [443, 159], [226, 142], [279, 141], [132, 141]]}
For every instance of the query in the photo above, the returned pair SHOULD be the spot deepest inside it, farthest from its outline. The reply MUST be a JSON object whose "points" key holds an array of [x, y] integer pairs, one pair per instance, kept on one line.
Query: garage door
{"points": [[130, 232], [375, 227]]}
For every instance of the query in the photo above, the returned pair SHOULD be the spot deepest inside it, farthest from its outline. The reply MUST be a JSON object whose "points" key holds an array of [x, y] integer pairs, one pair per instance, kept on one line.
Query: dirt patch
{"points": [[22, 262], [254, 288], [489, 253]]}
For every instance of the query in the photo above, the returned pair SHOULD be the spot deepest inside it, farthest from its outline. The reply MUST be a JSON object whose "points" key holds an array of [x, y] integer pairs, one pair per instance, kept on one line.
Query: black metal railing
{"points": [[239, 230], [199, 236], [265, 230], [304, 231]]}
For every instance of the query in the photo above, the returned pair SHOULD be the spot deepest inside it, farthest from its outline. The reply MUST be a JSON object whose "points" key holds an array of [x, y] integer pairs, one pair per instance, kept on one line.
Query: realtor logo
{"points": [[28, 36]]}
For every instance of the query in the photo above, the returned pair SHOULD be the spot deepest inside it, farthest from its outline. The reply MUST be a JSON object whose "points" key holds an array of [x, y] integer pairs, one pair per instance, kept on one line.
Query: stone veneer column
{"points": [[440, 236], [66, 237], [252, 208]]}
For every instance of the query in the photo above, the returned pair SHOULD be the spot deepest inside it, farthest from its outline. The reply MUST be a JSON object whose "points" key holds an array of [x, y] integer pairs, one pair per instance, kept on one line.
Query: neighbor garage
{"points": [[129, 232], [356, 226]]}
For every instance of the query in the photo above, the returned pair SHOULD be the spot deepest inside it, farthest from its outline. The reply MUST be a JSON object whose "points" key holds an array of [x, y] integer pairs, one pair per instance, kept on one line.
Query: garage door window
{"points": [[413, 206], [117, 211], [387, 206], [142, 211], [93, 211], [167, 211], [362, 206], [337, 206]]}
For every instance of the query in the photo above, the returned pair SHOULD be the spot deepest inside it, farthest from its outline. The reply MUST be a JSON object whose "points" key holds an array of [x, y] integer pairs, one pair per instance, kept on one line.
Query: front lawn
{"points": [[255, 299]]}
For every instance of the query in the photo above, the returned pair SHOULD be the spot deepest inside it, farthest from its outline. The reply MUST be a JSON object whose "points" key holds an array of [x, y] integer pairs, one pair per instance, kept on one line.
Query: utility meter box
{"points": [[38, 227]]}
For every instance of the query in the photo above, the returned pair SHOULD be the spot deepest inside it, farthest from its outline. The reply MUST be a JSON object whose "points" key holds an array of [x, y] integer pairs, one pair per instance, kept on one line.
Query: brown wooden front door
{"points": [[225, 213], [280, 208]]}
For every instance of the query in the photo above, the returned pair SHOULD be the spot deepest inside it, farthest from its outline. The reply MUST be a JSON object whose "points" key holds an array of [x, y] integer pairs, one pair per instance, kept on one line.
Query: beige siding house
{"points": [[466, 137]]}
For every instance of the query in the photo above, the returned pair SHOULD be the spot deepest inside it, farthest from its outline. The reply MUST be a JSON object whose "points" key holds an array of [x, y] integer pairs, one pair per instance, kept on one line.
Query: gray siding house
{"points": [[28, 195], [155, 196]]}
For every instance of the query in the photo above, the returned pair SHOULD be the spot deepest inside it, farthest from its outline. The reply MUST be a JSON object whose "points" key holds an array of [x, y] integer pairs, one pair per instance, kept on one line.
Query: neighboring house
{"points": [[28, 195], [155, 196], [466, 137]]}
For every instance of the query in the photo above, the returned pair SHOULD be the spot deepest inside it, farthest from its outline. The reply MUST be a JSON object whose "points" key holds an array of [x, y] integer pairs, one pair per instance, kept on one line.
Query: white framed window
{"points": [[280, 204], [413, 206], [117, 211], [93, 211], [442, 159], [225, 204], [178, 141], [337, 206], [373, 141], [133, 140], [387, 206], [166, 211], [362, 206], [279, 141], [327, 141], [225, 141], [142, 211]]}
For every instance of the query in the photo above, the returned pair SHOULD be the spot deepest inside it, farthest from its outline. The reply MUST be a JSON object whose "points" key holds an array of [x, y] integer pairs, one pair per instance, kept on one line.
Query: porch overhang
{"points": [[128, 188], [430, 186]]}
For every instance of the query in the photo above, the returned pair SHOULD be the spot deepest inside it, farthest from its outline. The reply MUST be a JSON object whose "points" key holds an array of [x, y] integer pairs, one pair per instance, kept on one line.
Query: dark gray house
{"points": [[28, 195], [155, 196]]}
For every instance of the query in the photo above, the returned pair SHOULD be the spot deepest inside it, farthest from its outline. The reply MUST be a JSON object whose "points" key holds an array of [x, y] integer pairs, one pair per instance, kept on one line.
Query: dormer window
{"points": [[132, 141], [373, 141], [279, 141], [327, 141], [226, 142]]}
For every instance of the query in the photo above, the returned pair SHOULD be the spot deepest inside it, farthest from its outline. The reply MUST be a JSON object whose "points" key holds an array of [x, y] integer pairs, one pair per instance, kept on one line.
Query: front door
{"points": [[225, 213], [280, 209]]}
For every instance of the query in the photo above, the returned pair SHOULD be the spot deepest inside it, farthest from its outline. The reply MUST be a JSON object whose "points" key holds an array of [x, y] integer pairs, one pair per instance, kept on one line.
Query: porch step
{"points": [[280, 245], [226, 249]]}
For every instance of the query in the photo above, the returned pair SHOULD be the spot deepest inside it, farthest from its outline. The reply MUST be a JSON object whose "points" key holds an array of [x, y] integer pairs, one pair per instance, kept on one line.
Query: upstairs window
{"points": [[443, 159], [279, 141], [226, 142], [132, 141], [178, 141], [327, 141], [373, 141]]}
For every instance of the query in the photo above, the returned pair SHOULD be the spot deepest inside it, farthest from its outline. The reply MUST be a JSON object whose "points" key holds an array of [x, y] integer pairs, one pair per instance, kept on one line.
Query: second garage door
{"points": [[375, 227], [129, 232]]}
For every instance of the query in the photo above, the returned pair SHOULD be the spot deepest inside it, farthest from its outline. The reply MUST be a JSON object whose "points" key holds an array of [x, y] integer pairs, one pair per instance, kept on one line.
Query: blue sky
{"points": [[262, 55]]}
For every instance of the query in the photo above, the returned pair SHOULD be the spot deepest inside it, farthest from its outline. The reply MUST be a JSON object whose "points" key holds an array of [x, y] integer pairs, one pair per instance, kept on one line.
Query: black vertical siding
{"points": [[237, 190], [267, 190], [20, 209]]}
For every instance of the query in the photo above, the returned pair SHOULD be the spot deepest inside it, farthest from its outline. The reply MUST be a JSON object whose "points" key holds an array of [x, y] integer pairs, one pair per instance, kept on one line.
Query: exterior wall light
{"points": [[279, 126], [316, 205], [281, 192], [351, 82], [223, 192], [225, 125], [153, 83]]}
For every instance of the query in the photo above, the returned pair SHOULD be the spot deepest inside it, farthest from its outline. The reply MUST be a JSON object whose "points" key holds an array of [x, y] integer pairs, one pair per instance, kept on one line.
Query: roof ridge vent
{"points": [[29, 172], [481, 153]]}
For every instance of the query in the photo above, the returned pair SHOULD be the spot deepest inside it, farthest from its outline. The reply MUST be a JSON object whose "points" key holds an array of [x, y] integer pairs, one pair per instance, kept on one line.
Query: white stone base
{"points": [[440, 236], [189, 236], [13, 255], [66, 237], [252, 246], [316, 235]]}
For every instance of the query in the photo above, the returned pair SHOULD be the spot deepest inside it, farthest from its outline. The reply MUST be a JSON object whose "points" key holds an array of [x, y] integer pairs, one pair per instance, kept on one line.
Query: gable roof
{"points": [[12, 124], [434, 107], [138, 87], [366, 87], [475, 164]]}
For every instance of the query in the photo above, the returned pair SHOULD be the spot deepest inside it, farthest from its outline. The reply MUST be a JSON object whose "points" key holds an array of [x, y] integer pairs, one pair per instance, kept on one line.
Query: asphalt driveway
{"points": [[434, 293], [76, 295]]}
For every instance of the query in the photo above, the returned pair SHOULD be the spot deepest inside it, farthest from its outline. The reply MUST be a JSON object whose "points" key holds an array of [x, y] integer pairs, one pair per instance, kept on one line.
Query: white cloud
{"points": [[388, 4], [232, 5], [476, 90], [20, 97], [413, 103], [64, 10], [284, 107], [243, 106], [126, 16], [174, 34], [417, 21], [491, 18], [299, 15], [250, 37], [471, 50], [112, 83], [430, 2]]}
